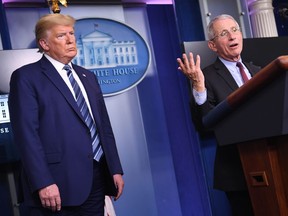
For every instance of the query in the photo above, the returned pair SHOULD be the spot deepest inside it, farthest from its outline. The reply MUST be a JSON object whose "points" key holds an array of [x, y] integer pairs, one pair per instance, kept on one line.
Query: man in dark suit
{"points": [[210, 87], [59, 171]]}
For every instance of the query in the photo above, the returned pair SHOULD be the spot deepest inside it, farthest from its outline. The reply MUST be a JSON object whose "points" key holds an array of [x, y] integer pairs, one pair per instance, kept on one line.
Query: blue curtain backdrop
{"points": [[175, 94]]}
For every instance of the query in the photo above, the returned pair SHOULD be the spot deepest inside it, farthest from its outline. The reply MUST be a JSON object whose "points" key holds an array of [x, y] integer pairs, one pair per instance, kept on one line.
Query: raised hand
{"points": [[192, 71]]}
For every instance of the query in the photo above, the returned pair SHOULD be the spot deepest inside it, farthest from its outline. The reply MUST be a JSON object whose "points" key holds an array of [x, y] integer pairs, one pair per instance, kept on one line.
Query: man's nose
{"points": [[70, 38], [231, 35]]}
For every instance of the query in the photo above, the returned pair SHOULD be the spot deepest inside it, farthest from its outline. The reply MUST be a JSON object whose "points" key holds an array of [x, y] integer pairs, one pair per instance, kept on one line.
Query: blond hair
{"points": [[46, 22]]}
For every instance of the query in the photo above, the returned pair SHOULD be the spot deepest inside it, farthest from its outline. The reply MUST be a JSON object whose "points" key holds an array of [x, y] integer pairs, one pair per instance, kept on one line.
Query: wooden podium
{"points": [[255, 118]]}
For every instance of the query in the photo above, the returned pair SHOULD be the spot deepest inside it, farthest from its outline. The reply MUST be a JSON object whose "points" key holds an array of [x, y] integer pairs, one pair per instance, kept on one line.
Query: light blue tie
{"points": [[97, 149]]}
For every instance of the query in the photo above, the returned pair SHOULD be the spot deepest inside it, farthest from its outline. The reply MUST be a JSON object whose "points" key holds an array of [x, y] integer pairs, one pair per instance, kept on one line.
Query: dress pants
{"points": [[93, 206]]}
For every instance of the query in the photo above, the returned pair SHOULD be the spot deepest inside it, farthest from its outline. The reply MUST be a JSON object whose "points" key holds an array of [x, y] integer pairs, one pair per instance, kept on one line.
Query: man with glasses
{"points": [[212, 85]]}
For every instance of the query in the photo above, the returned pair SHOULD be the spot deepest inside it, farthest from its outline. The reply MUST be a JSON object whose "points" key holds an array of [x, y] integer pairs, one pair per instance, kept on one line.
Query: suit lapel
{"points": [[251, 68], [225, 74], [52, 74]]}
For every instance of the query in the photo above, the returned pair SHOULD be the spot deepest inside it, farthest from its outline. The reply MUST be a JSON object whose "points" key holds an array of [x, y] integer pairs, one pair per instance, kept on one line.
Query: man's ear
{"points": [[44, 44], [212, 46]]}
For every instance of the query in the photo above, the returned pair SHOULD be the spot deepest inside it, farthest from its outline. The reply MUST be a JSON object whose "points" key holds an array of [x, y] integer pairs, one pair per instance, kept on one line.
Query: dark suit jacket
{"points": [[53, 139], [228, 174]]}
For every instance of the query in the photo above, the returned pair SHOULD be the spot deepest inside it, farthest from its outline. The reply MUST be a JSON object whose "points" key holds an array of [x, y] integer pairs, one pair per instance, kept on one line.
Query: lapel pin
{"points": [[84, 75]]}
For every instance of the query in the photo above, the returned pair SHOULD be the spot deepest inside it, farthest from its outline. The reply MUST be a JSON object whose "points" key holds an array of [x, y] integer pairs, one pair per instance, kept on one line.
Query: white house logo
{"points": [[114, 52]]}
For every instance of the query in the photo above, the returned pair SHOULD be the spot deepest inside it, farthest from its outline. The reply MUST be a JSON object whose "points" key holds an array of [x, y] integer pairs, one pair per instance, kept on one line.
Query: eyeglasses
{"points": [[225, 33]]}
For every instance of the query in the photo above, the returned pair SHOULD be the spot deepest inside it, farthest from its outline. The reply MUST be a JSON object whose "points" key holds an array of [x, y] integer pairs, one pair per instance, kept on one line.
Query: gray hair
{"points": [[48, 21], [210, 28]]}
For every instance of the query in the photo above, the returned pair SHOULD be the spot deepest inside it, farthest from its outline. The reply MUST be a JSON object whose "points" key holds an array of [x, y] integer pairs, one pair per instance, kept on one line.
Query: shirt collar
{"points": [[229, 63], [58, 65]]}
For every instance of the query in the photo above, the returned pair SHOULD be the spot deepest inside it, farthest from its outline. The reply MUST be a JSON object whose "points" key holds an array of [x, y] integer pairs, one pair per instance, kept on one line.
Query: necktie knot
{"points": [[67, 68], [238, 64]]}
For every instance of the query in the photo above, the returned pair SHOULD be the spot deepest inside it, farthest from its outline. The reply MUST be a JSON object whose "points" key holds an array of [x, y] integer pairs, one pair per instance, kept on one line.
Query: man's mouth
{"points": [[234, 45], [72, 49]]}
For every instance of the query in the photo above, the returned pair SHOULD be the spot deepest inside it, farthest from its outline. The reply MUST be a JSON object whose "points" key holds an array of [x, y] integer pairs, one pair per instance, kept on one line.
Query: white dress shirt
{"points": [[63, 73]]}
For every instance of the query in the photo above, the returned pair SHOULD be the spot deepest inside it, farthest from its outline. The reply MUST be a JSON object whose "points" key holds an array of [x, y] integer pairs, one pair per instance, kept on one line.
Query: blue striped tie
{"points": [[97, 149]]}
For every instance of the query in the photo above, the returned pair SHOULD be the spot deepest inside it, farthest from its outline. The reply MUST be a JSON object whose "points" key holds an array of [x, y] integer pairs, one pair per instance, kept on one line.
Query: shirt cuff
{"points": [[200, 97]]}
